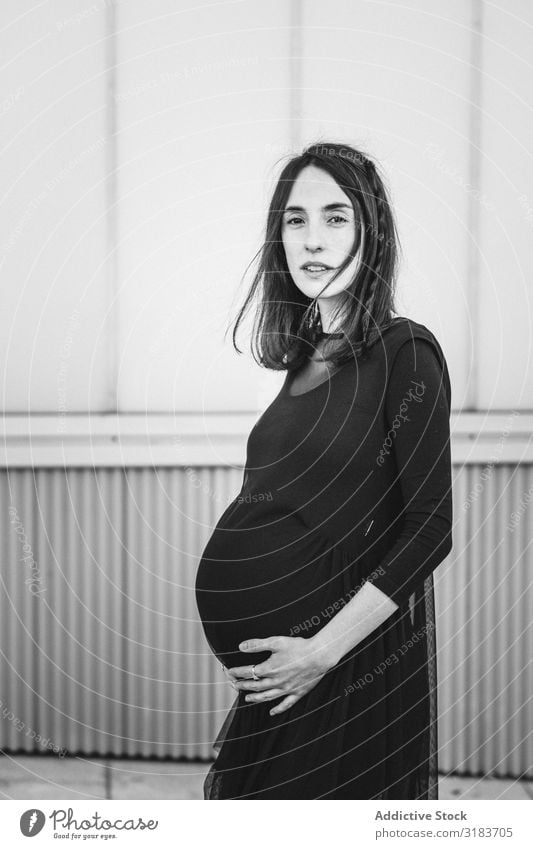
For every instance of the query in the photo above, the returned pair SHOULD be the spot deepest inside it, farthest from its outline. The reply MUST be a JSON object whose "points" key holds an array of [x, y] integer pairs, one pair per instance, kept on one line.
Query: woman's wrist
{"points": [[325, 649], [367, 610]]}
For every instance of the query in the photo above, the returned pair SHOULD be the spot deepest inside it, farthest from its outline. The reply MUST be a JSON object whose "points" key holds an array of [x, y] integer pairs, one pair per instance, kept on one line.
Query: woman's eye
{"points": [[335, 219]]}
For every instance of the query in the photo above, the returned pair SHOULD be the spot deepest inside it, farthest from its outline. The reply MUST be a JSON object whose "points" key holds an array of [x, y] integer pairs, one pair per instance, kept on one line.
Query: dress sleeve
{"points": [[417, 408]]}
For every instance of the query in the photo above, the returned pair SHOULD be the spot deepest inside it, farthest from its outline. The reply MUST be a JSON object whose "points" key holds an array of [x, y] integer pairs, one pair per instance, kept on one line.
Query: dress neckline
{"points": [[287, 382], [285, 389]]}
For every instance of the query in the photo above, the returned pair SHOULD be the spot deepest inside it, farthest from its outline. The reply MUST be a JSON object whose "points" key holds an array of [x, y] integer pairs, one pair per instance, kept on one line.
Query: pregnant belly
{"points": [[253, 585]]}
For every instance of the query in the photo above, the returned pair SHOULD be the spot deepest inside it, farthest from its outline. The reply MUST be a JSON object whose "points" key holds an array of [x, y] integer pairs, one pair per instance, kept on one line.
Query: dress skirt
{"points": [[367, 730]]}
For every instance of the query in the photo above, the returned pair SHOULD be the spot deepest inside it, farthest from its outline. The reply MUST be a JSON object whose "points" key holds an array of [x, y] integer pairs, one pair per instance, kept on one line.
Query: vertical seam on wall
{"points": [[295, 72], [114, 345], [112, 210], [126, 672], [38, 713], [473, 206]]}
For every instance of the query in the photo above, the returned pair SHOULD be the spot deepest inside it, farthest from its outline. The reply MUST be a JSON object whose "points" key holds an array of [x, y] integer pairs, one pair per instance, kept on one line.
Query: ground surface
{"points": [[42, 777]]}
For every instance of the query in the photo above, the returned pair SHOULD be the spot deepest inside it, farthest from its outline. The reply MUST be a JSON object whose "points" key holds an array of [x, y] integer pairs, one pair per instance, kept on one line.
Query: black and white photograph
{"points": [[267, 417]]}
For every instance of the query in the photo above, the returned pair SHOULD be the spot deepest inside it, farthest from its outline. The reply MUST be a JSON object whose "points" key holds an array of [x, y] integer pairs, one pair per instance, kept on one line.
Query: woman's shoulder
{"points": [[402, 329], [419, 348], [401, 326]]}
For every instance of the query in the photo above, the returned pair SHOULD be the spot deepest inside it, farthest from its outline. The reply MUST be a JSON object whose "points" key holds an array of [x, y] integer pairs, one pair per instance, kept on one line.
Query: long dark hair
{"points": [[287, 321]]}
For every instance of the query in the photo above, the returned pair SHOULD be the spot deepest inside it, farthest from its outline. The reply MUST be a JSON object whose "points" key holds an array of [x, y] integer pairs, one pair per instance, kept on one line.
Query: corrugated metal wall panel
{"points": [[177, 696], [63, 631], [485, 627], [19, 609], [110, 658]]}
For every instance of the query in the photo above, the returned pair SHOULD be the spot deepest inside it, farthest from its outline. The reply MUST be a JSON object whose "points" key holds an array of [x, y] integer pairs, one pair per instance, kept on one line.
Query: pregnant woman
{"points": [[315, 589]]}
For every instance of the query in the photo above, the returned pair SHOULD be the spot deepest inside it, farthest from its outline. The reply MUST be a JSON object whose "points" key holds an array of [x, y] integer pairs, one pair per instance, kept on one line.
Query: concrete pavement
{"points": [[50, 777]]}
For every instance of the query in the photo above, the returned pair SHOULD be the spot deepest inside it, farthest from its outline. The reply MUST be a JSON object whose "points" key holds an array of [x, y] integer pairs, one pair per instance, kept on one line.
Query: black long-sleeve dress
{"points": [[347, 482]]}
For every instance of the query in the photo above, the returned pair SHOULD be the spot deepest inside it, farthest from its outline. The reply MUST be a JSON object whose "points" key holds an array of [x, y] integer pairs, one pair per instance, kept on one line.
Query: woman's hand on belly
{"points": [[295, 666]]}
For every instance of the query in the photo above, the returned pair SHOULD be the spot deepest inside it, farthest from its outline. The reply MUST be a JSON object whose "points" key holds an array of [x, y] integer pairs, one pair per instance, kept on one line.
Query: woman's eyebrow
{"points": [[326, 208]]}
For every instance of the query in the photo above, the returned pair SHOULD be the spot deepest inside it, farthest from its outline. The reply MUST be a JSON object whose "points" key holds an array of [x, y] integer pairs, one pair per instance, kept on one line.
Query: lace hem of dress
{"points": [[213, 780], [430, 780]]}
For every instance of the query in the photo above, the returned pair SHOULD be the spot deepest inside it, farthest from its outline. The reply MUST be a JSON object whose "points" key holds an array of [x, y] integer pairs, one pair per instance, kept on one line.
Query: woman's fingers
{"points": [[245, 672], [266, 644], [250, 685], [267, 696], [231, 680], [284, 705]]}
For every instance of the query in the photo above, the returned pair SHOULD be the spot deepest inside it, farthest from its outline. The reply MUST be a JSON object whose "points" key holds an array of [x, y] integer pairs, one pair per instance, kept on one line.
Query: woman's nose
{"points": [[313, 240]]}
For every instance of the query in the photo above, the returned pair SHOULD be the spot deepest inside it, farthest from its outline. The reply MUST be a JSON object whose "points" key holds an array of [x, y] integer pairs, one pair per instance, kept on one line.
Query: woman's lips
{"points": [[319, 271]]}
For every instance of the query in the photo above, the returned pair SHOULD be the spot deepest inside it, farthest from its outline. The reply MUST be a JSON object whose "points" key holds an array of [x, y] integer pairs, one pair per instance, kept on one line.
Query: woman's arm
{"points": [[421, 458], [421, 453], [365, 612]]}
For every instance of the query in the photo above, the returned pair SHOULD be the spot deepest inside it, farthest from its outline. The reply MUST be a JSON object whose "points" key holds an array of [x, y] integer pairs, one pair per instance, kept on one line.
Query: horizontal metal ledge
{"points": [[214, 439]]}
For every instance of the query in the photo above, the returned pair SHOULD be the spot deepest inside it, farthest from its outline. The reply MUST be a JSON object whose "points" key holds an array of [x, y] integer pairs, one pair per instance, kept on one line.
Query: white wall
{"points": [[202, 103], [54, 153], [139, 146], [506, 235]]}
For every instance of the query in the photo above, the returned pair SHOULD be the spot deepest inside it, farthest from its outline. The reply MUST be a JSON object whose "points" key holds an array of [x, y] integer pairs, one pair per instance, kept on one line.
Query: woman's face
{"points": [[318, 231]]}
